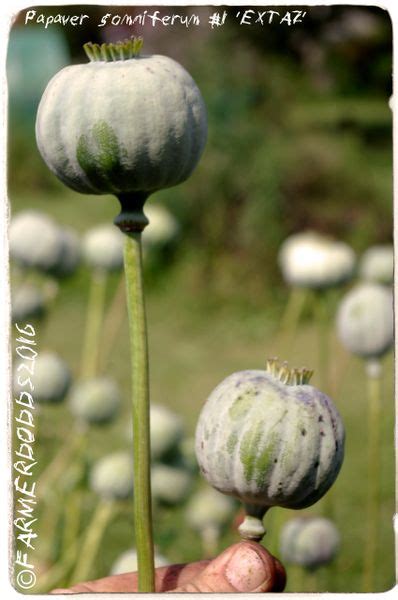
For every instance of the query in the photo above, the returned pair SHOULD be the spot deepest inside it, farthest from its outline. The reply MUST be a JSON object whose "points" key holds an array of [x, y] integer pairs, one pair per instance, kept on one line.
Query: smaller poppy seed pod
{"points": [[170, 485], [311, 260], [377, 264], [34, 240], [166, 431], [70, 255], [51, 378], [309, 542], [127, 562], [365, 321], [27, 302], [102, 248], [112, 476], [95, 401], [162, 227], [269, 439], [209, 508]]}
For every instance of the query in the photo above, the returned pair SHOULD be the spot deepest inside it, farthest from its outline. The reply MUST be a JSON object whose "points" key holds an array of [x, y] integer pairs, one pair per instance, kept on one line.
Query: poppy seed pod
{"points": [[69, 258], [95, 401], [35, 241], [27, 302], [309, 542], [313, 261], [166, 430], [51, 377], [95, 147], [162, 227], [377, 264], [170, 485], [365, 321], [112, 476], [102, 248], [209, 508], [269, 439]]}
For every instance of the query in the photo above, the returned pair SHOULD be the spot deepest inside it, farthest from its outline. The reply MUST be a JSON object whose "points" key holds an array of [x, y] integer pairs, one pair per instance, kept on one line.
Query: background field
{"points": [[299, 137]]}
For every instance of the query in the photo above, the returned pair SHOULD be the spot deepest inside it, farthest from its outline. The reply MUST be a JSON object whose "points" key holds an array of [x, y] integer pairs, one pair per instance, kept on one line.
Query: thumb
{"points": [[243, 567]]}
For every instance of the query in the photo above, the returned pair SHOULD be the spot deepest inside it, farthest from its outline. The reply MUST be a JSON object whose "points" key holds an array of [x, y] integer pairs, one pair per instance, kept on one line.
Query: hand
{"points": [[243, 567]]}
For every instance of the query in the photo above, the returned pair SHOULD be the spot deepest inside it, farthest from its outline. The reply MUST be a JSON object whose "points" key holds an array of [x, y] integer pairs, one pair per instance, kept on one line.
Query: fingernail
{"points": [[246, 570]]}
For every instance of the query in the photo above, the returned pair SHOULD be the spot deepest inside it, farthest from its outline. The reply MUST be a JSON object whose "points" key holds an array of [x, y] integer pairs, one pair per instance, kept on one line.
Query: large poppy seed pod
{"points": [[123, 123], [208, 508], [162, 227], [170, 485], [95, 401], [269, 439], [127, 562], [365, 321], [51, 377], [377, 264], [309, 542], [34, 240], [311, 260], [70, 255], [112, 476], [102, 248], [27, 302]]}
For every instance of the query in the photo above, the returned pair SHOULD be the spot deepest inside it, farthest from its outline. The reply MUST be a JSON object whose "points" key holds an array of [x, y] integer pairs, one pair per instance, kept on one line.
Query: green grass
{"points": [[196, 338]]}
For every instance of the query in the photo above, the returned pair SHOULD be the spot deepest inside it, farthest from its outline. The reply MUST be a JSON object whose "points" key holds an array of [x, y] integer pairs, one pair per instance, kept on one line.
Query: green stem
{"points": [[293, 311], [322, 315], [95, 312], [54, 470], [73, 506], [58, 572], [49, 530], [311, 582], [89, 548], [373, 371], [140, 397]]}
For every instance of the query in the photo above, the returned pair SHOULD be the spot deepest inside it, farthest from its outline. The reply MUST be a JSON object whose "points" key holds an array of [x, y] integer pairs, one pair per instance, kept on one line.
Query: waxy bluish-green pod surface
{"points": [[269, 442], [122, 125]]}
